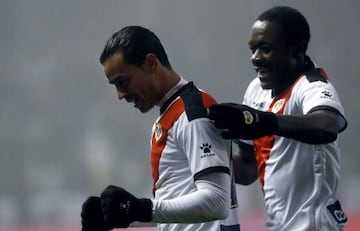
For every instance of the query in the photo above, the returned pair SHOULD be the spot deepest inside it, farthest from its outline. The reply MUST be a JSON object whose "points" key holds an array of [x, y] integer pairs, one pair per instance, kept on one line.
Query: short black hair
{"points": [[134, 42], [295, 27]]}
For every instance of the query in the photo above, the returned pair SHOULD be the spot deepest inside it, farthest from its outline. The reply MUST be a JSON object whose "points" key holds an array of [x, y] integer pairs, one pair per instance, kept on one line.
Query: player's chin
{"points": [[143, 108], [266, 83]]}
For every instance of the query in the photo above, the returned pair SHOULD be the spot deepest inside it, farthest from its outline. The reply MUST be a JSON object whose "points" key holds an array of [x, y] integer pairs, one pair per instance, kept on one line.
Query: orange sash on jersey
{"points": [[263, 145]]}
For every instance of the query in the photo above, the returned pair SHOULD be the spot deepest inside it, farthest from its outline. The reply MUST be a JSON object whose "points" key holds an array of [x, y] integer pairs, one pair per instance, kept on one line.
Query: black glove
{"points": [[92, 218], [242, 122], [120, 208]]}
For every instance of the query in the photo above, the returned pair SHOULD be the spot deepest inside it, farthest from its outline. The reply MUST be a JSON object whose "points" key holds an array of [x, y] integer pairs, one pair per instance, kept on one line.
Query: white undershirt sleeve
{"points": [[211, 201]]}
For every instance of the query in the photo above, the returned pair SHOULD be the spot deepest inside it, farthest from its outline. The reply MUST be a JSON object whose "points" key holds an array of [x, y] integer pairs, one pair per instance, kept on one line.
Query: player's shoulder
{"points": [[316, 75], [196, 102], [207, 99]]}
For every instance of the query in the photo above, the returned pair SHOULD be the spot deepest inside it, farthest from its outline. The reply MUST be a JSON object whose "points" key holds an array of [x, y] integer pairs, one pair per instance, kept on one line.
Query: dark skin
{"points": [[245, 171], [278, 64]]}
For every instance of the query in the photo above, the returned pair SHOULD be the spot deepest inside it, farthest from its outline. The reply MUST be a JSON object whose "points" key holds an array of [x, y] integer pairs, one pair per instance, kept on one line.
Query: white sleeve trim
{"points": [[211, 201]]}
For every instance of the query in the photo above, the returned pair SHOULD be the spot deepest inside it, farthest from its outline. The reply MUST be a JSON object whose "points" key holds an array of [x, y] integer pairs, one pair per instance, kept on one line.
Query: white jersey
{"points": [[299, 180], [185, 146]]}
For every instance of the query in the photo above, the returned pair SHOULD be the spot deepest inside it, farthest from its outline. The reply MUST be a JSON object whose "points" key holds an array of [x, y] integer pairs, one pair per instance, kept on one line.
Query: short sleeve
{"points": [[203, 146], [319, 94]]}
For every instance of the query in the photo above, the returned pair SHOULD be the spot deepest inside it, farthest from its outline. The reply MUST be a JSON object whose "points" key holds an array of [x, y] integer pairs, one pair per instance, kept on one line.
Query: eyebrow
{"points": [[259, 42]]}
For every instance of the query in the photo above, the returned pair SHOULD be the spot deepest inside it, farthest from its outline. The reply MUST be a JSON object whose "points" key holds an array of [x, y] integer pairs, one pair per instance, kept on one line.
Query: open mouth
{"points": [[261, 70], [132, 99]]}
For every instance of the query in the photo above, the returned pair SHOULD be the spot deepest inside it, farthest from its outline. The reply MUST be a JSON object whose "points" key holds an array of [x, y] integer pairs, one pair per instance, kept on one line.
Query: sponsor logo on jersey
{"points": [[206, 148], [326, 94], [258, 105], [337, 212]]}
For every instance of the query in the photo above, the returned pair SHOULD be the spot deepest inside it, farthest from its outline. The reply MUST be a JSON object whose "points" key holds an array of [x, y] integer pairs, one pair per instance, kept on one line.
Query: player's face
{"points": [[134, 84], [270, 55]]}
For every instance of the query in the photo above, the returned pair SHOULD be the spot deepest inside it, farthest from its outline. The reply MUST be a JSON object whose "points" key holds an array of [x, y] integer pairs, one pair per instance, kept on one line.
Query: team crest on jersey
{"points": [[278, 105], [157, 131]]}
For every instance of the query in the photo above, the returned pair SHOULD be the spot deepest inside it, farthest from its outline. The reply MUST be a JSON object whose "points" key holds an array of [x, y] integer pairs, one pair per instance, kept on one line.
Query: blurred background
{"points": [[64, 135]]}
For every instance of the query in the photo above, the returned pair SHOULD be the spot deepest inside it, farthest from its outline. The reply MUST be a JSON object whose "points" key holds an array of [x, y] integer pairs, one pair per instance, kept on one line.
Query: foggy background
{"points": [[64, 135]]}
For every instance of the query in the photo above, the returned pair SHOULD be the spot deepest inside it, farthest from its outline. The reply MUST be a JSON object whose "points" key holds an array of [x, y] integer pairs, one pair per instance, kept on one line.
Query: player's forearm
{"points": [[314, 128], [210, 202], [244, 164]]}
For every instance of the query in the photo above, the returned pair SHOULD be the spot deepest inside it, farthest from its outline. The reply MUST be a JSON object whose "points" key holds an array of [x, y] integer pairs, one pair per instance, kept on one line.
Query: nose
{"points": [[256, 56]]}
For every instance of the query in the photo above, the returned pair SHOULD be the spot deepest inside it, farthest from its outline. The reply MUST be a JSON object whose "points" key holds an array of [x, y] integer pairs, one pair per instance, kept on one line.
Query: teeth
{"points": [[261, 69]]}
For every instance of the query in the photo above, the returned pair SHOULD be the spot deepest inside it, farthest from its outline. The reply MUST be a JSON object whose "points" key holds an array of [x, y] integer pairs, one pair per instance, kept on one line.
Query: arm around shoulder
{"points": [[317, 127]]}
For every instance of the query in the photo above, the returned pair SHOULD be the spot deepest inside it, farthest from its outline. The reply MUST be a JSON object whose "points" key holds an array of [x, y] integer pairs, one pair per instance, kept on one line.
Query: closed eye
{"points": [[263, 47], [120, 82]]}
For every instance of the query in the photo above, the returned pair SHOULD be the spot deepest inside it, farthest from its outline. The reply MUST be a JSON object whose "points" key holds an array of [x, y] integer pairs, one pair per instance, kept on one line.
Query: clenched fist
{"points": [[120, 208]]}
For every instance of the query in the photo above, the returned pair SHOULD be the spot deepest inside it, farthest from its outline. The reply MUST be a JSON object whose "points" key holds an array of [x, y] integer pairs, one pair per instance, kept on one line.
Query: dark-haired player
{"points": [[190, 161], [290, 118]]}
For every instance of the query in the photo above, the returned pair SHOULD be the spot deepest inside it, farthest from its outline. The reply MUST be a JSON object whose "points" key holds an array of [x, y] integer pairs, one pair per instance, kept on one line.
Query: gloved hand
{"points": [[92, 218], [242, 122], [120, 208]]}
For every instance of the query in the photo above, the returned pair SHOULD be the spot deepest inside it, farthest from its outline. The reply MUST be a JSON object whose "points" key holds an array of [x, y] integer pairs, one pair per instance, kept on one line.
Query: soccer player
{"points": [[288, 126], [191, 163]]}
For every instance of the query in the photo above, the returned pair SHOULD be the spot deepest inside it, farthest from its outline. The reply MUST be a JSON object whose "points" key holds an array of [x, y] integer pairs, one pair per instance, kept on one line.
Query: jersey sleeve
{"points": [[318, 95], [205, 149]]}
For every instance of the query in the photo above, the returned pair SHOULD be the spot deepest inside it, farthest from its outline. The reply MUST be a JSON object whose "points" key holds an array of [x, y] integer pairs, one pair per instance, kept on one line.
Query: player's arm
{"points": [[209, 202], [117, 208], [241, 121], [317, 127], [244, 164]]}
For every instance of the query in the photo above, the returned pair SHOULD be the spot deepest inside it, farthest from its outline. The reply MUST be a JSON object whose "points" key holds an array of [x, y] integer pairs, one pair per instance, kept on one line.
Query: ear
{"points": [[151, 62], [298, 52], [300, 48]]}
